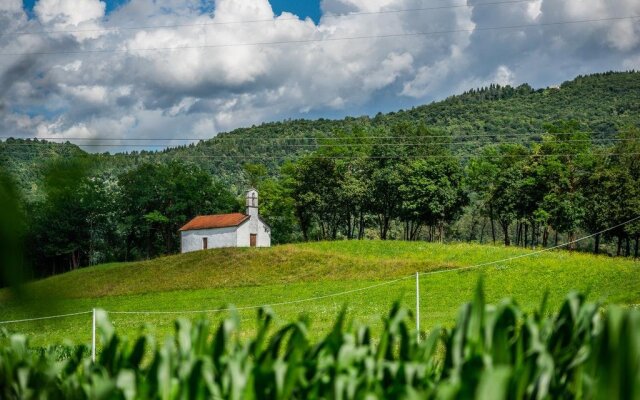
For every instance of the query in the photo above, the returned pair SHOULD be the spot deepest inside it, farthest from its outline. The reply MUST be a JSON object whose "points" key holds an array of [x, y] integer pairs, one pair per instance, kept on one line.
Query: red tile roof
{"points": [[215, 221]]}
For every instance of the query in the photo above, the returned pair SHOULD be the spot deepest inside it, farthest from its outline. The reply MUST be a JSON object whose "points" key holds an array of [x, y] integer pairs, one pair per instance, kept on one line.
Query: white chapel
{"points": [[227, 230]]}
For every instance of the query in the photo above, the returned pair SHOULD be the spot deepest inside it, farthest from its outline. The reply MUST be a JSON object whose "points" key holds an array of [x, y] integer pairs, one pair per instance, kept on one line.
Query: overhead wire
{"points": [[320, 145], [346, 157], [235, 136], [320, 40], [275, 19]]}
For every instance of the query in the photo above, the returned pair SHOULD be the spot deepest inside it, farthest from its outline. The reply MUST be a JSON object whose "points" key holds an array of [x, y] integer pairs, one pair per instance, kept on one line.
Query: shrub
{"points": [[492, 352]]}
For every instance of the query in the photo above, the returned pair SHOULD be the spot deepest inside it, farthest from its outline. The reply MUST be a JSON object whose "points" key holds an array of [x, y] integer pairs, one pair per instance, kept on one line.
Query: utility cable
{"points": [[228, 136], [273, 20], [323, 40], [311, 155], [320, 145]]}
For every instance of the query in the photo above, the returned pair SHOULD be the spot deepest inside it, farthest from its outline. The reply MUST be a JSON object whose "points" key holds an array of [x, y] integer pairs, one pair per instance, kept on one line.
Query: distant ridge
{"points": [[601, 103]]}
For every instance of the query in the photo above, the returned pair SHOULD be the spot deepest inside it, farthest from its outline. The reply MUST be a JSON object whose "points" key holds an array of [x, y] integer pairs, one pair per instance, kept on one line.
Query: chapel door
{"points": [[252, 239], [205, 243]]}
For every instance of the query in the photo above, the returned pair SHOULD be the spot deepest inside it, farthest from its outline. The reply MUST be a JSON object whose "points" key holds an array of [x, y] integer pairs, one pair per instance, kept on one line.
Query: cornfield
{"points": [[497, 351]]}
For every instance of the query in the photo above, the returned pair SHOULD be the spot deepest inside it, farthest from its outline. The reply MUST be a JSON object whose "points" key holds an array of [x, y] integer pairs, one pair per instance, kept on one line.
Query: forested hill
{"points": [[601, 104]]}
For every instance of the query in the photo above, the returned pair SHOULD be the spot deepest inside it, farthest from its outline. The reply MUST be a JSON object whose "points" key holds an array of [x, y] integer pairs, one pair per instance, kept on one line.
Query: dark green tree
{"points": [[315, 186], [624, 190], [506, 195], [566, 156], [13, 227], [255, 174], [432, 194], [58, 223], [481, 173], [157, 199]]}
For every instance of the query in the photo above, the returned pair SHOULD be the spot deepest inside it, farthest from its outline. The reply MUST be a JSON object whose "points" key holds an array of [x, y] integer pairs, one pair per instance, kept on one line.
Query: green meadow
{"points": [[306, 276]]}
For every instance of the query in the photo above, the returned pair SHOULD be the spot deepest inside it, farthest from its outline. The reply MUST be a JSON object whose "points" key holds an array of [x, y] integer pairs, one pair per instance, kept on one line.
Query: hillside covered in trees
{"points": [[602, 104], [516, 165]]}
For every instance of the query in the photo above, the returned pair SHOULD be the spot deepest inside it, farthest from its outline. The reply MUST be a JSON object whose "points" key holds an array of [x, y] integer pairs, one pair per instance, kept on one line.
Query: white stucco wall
{"points": [[216, 238], [235, 236], [254, 225]]}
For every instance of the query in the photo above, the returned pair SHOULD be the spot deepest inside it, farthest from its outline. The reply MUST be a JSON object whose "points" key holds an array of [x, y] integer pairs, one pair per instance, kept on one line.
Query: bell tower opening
{"points": [[252, 202]]}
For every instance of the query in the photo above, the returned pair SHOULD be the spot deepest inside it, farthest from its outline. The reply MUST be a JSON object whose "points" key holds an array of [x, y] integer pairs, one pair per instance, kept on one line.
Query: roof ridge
{"points": [[215, 221]]}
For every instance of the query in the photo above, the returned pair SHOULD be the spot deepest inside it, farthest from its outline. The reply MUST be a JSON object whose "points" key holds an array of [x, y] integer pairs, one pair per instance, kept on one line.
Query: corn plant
{"points": [[492, 352]]}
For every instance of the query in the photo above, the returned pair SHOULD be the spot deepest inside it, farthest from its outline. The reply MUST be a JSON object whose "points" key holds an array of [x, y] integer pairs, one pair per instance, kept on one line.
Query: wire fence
{"points": [[415, 276], [44, 318], [342, 293]]}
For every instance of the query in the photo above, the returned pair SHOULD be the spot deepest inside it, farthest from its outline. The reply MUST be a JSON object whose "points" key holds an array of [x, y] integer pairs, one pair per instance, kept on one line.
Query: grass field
{"points": [[246, 277]]}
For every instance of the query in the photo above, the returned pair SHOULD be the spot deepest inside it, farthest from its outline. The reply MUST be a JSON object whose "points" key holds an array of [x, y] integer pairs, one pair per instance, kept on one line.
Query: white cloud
{"points": [[534, 9], [72, 67], [608, 23], [12, 6], [429, 79], [624, 35], [80, 18], [91, 94], [503, 76], [213, 85], [390, 69], [203, 128], [632, 63], [233, 10], [69, 12]]}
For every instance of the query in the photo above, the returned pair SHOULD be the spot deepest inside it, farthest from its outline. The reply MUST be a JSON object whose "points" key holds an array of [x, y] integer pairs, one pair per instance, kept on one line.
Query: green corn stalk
{"points": [[582, 351]]}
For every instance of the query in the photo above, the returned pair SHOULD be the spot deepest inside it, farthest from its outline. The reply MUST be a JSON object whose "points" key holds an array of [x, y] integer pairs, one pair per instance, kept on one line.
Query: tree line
{"points": [[85, 219], [417, 188], [406, 182]]}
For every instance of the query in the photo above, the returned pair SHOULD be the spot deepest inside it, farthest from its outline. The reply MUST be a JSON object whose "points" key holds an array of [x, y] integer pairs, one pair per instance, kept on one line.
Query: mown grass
{"points": [[246, 277]]}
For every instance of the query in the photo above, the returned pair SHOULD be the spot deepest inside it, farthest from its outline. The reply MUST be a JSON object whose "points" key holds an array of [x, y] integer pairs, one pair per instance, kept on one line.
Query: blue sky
{"points": [[302, 8], [111, 4]]}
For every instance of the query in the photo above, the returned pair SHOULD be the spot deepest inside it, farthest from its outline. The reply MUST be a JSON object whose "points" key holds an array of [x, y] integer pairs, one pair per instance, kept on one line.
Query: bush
{"points": [[492, 352]]}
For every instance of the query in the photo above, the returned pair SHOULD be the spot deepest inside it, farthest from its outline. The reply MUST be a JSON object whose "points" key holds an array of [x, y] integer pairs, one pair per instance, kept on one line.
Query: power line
{"points": [[273, 20], [233, 137], [325, 40], [397, 144], [351, 157]]}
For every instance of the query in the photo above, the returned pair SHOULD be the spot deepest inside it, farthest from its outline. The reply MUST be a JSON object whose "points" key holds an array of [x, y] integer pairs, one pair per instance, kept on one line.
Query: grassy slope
{"points": [[244, 277]]}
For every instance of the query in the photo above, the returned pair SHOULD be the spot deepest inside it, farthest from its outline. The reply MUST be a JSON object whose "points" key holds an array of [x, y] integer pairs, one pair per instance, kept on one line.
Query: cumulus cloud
{"points": [[201, 71], [68, 12], [12, 6]]}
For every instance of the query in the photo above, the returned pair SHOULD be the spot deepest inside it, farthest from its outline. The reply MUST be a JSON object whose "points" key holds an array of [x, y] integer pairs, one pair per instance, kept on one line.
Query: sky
{"points": [[144, 69]]}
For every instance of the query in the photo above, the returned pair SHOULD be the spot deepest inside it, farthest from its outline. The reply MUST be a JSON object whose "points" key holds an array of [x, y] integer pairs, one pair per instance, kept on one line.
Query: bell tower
{"points": [[252, 203]]}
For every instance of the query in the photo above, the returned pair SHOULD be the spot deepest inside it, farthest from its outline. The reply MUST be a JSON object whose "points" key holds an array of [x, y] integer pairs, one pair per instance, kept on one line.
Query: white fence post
{"points": [[418, 306], [93, 338]]}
